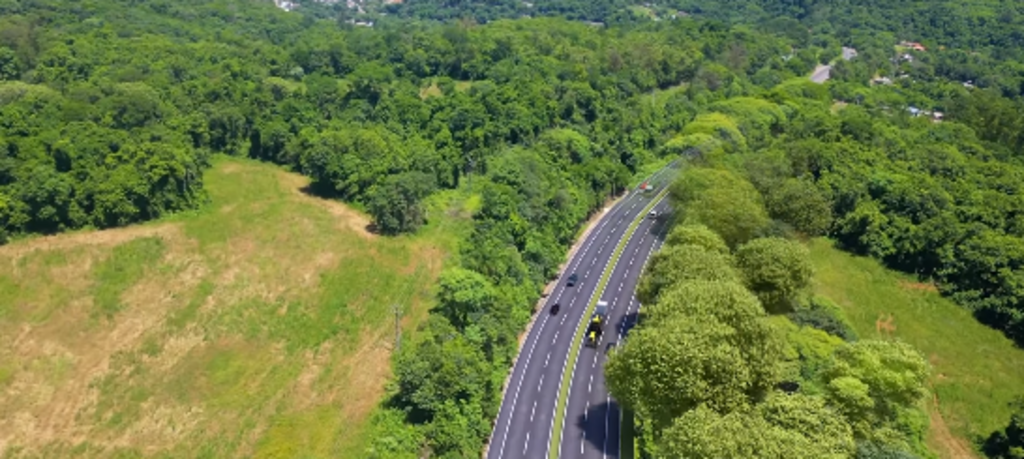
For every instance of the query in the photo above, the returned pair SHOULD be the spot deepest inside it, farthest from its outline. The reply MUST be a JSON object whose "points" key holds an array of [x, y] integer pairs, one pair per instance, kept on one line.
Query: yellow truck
{"points": [[596, 326]]}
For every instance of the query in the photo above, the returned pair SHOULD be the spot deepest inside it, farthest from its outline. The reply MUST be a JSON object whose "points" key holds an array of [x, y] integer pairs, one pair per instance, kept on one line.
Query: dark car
{"points": [[572, 280], [554, 308]]}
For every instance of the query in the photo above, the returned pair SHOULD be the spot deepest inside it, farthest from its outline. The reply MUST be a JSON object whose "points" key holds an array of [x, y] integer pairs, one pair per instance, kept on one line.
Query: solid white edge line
{"points": [[511, 410], [562, 378]]}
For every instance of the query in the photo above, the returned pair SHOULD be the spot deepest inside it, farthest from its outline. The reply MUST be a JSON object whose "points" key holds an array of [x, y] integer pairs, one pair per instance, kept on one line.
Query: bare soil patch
{"points": [[204, 351], [941, 440], [918, 286]]}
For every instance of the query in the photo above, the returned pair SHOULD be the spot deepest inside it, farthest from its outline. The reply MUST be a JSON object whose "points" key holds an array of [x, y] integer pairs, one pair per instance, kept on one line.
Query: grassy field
{"points": [[260, 326], [975, 370]]}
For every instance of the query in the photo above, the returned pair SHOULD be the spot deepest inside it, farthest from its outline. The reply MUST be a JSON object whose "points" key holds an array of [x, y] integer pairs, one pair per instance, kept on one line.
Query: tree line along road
{"points": [[526, 418]]}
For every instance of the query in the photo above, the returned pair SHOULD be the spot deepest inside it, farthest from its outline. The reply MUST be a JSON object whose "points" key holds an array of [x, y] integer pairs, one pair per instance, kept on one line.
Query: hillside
{"points": [[976, 371], [260, 326]]}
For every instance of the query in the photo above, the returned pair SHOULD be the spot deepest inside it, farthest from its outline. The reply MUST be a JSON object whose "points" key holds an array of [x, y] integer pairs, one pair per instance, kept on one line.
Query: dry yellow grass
{"points": [[258, 327]]}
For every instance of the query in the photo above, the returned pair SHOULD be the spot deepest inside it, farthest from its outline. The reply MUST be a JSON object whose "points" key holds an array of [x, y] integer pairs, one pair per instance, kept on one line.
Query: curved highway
{"points": [[525, 420], [591, 423]]}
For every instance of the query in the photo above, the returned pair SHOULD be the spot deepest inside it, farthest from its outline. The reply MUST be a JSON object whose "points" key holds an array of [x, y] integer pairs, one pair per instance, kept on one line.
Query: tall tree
{"points": [[705, 343], [791, 426], [777, 270], [721, 200]]}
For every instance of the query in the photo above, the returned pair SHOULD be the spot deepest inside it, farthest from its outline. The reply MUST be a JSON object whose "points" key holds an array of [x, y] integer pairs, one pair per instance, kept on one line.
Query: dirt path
{"points": [[943, 442]]}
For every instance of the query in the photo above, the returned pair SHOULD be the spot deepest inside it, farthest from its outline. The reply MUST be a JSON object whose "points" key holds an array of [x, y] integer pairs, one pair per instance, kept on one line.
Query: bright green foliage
{"points": [[679, 263], [790, 426], [698, 235], [719, 126], [702, 146], [392, 437], [442, 372], [705, 342], [463, 296], [806, 353], [722, 201], [873, 382], [776, 270], [756, 119]]}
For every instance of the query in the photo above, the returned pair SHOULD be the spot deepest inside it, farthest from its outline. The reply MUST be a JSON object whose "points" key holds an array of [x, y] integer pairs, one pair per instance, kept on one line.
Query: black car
{"points": [[554, 308], [572, 280]]}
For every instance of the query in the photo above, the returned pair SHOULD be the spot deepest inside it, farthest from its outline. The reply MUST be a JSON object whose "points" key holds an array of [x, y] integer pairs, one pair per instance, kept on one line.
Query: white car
{"points": [[653, 214]]}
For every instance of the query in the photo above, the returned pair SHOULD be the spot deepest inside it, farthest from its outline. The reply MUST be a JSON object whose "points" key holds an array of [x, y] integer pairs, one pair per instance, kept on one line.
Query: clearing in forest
{"points": [[259, 326], [976, 371]]}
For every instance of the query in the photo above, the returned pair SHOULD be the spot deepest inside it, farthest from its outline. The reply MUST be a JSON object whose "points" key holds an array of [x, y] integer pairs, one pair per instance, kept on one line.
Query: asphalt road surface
{"points": [[525, 421], [591, 427]]}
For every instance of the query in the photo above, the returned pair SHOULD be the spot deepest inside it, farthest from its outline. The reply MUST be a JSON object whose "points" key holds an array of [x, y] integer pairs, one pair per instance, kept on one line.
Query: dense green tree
{"points": [[797, 426], [396, 203], [463, 296], [679, 263], [722, 201], [698, 235], [801, 204], [445, 369], [704, 343], [776, 270], [872, 382]]}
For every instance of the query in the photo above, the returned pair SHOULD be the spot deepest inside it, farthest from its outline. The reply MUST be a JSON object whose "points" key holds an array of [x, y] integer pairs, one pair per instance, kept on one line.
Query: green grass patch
{"points": [[976, 371], [184, 316], [127, 264], [430, 91], [7, 372], [259, 325], [574, 349], [307, 434]]}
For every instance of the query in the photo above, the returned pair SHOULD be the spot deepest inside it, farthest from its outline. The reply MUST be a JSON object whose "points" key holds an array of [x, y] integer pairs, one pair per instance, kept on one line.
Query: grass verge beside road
{"points": [[574, 349]]}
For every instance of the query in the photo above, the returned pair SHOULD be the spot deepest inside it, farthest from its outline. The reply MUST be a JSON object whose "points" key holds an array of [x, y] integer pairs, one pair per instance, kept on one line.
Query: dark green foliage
{"points": [[872, 450], [1008, 443], [801, 204], [824, 316], [395, 204]]}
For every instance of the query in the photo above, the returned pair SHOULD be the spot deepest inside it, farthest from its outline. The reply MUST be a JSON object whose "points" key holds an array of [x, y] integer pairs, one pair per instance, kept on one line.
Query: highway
{"points": [[525, 420], [591, 422]]}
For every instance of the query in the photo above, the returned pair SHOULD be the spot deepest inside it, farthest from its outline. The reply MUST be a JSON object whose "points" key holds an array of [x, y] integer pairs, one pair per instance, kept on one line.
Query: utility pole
{"points": [[397, 309]]}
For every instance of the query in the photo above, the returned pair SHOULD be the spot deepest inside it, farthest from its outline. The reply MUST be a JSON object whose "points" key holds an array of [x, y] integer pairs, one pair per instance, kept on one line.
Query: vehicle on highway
{"points": [[572, 280], [653, 214], [596, 326], [554, 308]]}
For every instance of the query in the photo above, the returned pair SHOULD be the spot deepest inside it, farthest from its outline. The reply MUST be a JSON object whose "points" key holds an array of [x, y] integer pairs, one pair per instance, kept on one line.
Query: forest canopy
{"points": [[111, 110]]}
